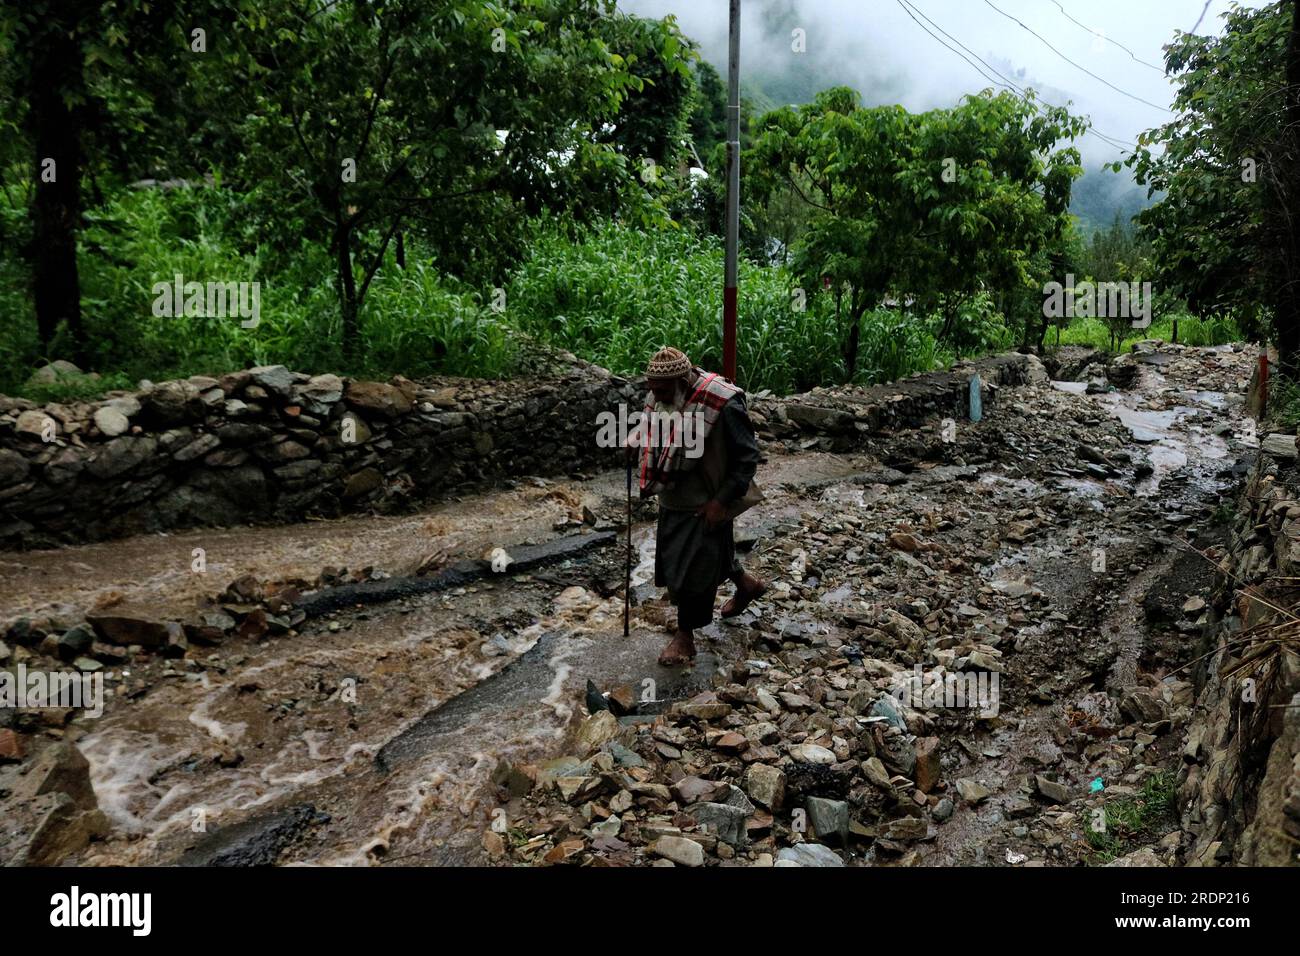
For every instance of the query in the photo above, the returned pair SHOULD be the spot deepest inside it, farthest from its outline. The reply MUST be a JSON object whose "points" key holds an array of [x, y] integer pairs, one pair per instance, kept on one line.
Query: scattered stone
{"points": [[765, 785], [829, 819], [808, 854], [972, 791], [679, 850], [1051, 790]]}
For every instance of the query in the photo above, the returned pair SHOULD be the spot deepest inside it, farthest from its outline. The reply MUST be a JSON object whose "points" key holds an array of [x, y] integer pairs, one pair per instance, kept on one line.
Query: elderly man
{"points": [[700, 466]]}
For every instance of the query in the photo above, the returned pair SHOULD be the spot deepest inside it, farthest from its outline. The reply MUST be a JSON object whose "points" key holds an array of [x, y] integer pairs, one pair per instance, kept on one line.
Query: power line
{"points": [[1076, 65], [1204, 10], [1102, 34], [1111, 141]]}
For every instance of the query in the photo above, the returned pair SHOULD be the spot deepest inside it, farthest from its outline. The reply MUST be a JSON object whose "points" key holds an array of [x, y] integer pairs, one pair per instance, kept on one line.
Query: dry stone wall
{"points": [[1240, 787], [268, 445]]}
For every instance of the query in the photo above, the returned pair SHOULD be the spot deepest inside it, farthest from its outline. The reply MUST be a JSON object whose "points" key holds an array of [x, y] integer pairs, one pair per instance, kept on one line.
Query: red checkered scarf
{"points": [[659, 465]]}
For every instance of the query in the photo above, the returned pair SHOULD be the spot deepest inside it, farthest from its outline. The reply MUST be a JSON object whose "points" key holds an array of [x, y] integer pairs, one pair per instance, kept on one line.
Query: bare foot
{"points": [[680, 650], [749, 589]]}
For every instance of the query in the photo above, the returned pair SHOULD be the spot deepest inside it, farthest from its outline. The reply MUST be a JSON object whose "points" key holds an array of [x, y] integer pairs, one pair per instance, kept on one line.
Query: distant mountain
{"points": [[1099, 194]]}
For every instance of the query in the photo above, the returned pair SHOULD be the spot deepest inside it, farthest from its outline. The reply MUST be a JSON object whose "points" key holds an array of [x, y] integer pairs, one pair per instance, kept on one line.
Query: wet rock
{"points": [[829, 819], [12, 748], [257, 841], [727, 822], [765, 785], [812, 754], [679, 850], [75, 642], [972, 791], [808, 854], [126, 630], [943, 809], [59, 828], [1051, 790], [596, 730]]}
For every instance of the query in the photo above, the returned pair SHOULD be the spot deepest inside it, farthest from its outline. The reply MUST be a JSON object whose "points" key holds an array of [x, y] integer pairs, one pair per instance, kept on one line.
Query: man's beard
{"points": [[677, 403]]}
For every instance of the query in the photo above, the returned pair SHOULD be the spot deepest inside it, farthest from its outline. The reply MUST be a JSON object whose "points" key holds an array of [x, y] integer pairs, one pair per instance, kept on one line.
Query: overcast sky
{"points": [[885, 51]]}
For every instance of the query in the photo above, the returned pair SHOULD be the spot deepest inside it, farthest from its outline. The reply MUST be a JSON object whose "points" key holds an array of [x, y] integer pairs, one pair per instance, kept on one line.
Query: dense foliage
{"points": [[446, 186], [1225, 234]]}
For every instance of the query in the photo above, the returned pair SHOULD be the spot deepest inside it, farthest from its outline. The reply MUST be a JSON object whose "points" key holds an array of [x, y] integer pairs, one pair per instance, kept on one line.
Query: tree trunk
{"points": [[56, 207], [1286, 321], [347, 296], [401, 251], [851, 346]]}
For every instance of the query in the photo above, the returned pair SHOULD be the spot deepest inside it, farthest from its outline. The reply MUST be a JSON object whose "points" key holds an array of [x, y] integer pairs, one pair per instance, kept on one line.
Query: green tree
{"points": [[1224, 234], [455, 118], [930, 208], [91, 83]]}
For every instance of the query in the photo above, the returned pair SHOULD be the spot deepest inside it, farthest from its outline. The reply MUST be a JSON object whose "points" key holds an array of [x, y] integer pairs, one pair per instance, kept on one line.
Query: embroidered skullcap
{"points": [[668, 363]]}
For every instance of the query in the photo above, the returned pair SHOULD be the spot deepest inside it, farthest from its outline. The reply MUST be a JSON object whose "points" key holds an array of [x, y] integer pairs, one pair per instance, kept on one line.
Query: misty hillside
{"points": [[768, 82]]}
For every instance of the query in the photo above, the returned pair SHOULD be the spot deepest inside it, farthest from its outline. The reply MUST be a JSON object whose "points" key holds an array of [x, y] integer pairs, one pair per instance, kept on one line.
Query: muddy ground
{"points": [[1057, 544]]}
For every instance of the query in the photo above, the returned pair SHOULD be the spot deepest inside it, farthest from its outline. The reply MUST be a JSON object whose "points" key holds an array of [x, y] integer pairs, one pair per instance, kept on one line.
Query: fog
{"points": [[876, 47]]}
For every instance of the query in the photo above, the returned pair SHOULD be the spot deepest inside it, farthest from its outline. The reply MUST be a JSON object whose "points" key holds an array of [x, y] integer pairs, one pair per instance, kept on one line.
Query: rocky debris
{"points": [[847, 709], [1239, 788], [51, 811], [1279, 445], [808, 854]]}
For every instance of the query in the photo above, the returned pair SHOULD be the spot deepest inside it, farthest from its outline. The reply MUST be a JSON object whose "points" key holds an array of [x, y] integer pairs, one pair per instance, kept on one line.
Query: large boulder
{"points": [[172, 403], [387, 400]]}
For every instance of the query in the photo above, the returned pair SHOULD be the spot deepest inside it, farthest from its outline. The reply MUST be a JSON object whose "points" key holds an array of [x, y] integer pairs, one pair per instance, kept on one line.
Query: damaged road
{"points": [[1049, 554]]}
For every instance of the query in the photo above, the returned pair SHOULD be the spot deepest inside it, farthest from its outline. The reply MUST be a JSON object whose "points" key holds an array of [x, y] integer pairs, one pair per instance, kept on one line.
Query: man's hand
{"points": [[712, 512]]}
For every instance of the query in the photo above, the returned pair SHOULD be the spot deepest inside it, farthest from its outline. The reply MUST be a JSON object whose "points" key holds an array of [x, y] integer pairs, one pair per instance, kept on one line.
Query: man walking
{"points": [[700, 461]]}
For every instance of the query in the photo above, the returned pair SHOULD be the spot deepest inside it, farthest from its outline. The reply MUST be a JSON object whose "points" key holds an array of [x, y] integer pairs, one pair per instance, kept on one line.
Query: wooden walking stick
{"points": [[627, 573]]}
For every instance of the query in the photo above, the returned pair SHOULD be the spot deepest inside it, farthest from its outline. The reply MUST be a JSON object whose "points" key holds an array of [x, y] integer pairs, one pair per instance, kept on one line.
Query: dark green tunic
{"points": [[690, 559]]}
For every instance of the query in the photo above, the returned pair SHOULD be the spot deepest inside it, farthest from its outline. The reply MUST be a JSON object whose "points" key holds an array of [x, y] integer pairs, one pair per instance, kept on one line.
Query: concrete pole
{"points": [[733, 197]]}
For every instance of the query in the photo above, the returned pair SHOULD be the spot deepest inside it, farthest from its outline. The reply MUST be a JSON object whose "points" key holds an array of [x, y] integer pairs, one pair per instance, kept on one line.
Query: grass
{"points": [[1283, 402], [612, 294], [1191, 331], [1137, 820]]}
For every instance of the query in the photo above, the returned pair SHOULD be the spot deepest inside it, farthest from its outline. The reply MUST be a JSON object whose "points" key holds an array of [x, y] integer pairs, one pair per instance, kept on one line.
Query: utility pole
{"points": [[733, 197]]}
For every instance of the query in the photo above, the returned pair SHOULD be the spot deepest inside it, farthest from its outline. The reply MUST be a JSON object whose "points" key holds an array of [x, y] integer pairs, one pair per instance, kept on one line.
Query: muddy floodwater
{"points": [[369, 735]]}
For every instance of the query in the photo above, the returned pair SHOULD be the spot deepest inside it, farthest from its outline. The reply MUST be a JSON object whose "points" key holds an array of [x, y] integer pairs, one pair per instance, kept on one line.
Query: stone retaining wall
{"points": [[1240, 787], [268, 445]]}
